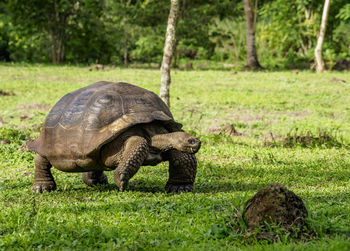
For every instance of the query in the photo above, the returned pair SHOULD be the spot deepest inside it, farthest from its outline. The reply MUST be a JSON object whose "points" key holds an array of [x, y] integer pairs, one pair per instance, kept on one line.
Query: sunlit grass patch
{"points": [[313, 161]]}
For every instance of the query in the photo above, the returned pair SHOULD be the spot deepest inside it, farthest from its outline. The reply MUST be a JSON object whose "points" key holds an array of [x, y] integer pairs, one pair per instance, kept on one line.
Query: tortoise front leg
{"points": [[135, 152], [95, 177], [43, 179], [182, 171]]}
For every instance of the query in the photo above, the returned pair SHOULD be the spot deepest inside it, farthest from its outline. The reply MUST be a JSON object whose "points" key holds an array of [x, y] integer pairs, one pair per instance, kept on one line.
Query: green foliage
{"points": [[113, 32], [229, 38], [344, 13], [147, 48], [285, 30], [342, 34]]}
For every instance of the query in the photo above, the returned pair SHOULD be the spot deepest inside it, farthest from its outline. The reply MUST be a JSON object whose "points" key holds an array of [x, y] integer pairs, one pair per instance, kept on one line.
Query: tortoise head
{"points": [[185, 142]]}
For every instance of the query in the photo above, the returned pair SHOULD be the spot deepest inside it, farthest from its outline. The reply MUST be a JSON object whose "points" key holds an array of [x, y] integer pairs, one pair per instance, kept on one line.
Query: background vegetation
{"points": [[256, 127], [290, 128], [118, 32]]}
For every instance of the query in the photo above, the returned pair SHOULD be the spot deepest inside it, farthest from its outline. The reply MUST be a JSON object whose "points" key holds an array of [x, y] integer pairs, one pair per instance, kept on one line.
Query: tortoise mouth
{"points": [[194, 147]]}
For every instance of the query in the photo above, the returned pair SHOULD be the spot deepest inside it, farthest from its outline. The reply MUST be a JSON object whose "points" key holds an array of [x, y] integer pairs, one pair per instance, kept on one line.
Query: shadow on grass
{"points": [[158, 187], [199, 187], [225, 186], [317, 173]]}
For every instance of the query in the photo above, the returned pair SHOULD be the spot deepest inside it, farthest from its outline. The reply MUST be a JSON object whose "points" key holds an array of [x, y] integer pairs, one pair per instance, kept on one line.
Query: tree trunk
{"points": [[318, 49], [125, 53], [175, 55], [179, 16], [57, 45], [125, 42], [53, 49], [57, 23], [250, 19], [168, 52]]}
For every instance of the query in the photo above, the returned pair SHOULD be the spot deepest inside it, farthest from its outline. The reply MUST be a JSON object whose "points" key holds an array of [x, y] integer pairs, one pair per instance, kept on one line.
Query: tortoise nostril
{"points": [[191, 141]]}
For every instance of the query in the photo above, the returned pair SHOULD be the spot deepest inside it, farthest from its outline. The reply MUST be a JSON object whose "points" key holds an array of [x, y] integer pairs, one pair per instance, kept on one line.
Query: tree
{"points": [[318, 49], [169, 47], [51, 16], [250, 20], [55, 19]]}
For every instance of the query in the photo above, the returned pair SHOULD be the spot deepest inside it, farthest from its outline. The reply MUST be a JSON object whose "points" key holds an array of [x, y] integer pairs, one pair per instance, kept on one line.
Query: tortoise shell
{"points": [[82, 121]]}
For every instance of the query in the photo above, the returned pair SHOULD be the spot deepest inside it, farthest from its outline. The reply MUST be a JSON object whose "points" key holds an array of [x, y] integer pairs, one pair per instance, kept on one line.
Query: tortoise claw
{"points": [[123, 186], [179, 188], [41, 187], [122, 182]]}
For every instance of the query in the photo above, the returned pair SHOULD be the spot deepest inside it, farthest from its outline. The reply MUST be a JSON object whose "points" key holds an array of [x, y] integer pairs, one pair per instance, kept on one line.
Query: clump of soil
{"points": [[5, 142], [275, 204], [6, 93], [100, 67], [25, 118], [226, 129], [337, 80]]}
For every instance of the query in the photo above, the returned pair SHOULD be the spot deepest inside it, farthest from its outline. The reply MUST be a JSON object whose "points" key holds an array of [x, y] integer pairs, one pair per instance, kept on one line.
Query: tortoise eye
{"points": [[191, 141]]}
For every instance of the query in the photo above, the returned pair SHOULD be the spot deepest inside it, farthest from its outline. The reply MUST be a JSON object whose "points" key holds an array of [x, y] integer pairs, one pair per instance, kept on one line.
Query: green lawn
{"points": [[292, 128]]}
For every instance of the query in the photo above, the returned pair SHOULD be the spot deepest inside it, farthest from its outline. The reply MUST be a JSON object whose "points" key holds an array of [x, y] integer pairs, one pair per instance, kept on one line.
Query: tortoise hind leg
{"points": [[94, 178], [43, 179], [182, 171], [135, 152]]}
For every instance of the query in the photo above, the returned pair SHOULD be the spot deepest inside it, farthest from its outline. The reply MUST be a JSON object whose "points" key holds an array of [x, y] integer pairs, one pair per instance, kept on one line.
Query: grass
{"points": [[275, 114]]}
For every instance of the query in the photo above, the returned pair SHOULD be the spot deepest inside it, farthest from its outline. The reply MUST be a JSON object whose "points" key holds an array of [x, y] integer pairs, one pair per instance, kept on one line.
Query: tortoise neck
{"points": [[163, 142]]}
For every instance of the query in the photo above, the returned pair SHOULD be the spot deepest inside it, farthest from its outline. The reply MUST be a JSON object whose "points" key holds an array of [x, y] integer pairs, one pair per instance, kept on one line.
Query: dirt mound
{"points": [[275, 204], [226, 129], [6, 93]]}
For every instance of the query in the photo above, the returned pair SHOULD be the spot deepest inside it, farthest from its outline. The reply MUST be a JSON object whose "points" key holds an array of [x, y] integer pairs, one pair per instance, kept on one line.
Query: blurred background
{"points": [[132, 32]]}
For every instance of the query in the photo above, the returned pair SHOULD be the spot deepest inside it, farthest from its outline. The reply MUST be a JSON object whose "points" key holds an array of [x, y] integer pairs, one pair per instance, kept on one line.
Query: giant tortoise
{"points": [[113, 126]]}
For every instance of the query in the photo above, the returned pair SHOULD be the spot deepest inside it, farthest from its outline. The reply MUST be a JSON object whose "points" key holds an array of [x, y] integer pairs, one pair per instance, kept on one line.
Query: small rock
{"points": [[27, 173], [6, 93], [230, 130], [82, 198], [5, 141], [226, 129], [337, 80], [25, 118], [189, 66], [99, 67], [228, 65]]}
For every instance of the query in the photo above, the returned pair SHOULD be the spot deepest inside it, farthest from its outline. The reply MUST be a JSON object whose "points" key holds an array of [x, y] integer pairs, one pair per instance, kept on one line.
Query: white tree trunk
{"points": [[318, 49], [168, 52]]}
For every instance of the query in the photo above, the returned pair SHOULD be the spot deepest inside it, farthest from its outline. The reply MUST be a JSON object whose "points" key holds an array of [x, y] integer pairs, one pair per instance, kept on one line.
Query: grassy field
{"points": [[290, 128]]}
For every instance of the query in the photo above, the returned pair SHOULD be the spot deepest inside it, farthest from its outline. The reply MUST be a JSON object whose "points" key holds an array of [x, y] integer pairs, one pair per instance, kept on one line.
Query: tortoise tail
{"points": [[31, 146]]}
